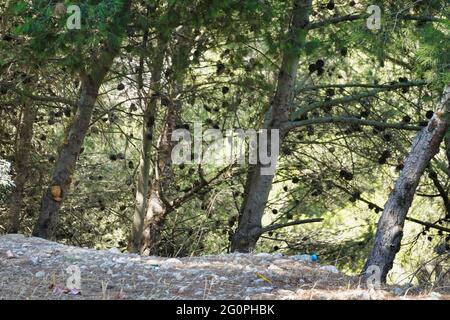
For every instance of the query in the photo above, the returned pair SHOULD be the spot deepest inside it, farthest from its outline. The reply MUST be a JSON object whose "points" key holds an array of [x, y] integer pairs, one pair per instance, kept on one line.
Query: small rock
{"points": [[397, 291], [114, 250], [182, 289], [40, 274], [274, 268], [259, 281], [282, 261], [302, 257], [121, 260], [127, 286], [331, 269], [249, 269], [179, 277], [171, 262], [10, 255], [34, 260], [258, 290]]}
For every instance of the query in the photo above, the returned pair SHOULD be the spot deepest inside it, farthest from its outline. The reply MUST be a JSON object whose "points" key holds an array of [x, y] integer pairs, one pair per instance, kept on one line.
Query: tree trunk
{"points": [[65, 165], [158, 207], [21, 165], [259, 186], [390, 226], [142, 187]]}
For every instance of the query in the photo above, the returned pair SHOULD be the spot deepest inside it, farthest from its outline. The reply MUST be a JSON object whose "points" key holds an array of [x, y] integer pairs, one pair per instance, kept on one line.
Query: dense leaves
{"points": [[361, 96]]}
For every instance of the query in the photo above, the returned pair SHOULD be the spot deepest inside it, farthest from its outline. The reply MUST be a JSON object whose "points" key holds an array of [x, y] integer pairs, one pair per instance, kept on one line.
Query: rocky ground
{"points": [[33, 268]]}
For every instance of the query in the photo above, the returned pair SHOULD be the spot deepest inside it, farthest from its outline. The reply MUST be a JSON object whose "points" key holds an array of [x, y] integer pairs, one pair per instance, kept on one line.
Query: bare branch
{"points": [[348, 120], [302, 110], [288, 224]]}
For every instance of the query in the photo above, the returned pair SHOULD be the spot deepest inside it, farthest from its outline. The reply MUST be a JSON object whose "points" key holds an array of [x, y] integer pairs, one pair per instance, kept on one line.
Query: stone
{"points": [[173, 261], [274, 268], [179, 277], [302, 257], [249, 269], [114, 250], [397, 291], [331, 269], [40, 274], [121, 260]]}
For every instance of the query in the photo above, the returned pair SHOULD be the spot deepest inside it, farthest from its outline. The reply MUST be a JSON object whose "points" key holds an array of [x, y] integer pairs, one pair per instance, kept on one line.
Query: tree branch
{"points": [[348, 120], [380, 209], [354, 17], [302, 110], [288, 224], [189, 194], [442, 192]]}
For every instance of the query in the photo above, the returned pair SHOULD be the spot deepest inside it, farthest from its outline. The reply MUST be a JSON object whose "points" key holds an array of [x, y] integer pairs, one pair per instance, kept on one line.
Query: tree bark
{"points": [[259, 186], [142, 187], [390, 226], [158, 207], [21, 165], [65, 165], [52, 199]]}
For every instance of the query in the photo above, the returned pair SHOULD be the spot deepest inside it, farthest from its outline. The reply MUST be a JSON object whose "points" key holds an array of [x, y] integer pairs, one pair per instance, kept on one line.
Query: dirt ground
{"points": [[33, 268]]}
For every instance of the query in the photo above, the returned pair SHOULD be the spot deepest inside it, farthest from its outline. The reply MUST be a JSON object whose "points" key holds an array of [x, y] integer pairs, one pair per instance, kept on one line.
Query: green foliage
{"points": [[221, 65]]}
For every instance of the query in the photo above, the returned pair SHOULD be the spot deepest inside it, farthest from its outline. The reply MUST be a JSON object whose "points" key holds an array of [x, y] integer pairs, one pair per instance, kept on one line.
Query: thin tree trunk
{"points": [[52, 199], [390, 226], [65, 165], [259, 186], [21, 165], [158, 207], [142, 187]]}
